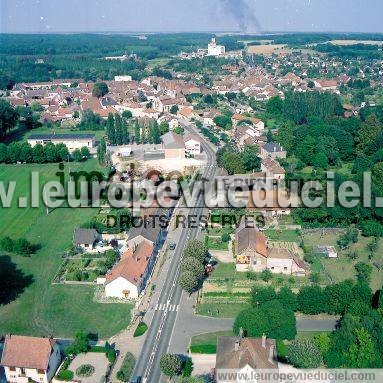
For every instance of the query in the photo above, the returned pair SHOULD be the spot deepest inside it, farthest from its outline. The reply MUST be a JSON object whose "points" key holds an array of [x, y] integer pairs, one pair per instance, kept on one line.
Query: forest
{"points": [[34, 58], [318, 139]]}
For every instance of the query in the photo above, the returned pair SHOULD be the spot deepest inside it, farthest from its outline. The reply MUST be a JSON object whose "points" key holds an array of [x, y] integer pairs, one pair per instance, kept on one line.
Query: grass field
{"points": [[207, 343], [43, 309]]}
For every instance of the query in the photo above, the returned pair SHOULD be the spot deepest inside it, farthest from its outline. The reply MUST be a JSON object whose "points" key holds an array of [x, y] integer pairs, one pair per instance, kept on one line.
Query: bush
{"points": [[85, 370], [303, 353], [266, 275], [187, 367], [126, 369], [140, 330], [65, 375], [111, 355], [225, 237]]}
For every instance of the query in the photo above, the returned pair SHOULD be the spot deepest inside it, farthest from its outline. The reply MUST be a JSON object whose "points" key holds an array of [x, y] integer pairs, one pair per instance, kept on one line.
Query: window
{"points": [[272, 268], [41, 372], [12, 368], [285, 268]]}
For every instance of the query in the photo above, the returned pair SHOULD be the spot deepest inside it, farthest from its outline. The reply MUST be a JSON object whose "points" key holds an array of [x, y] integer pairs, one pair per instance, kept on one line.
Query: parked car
{"points": [[136, 379], [172, 246]]}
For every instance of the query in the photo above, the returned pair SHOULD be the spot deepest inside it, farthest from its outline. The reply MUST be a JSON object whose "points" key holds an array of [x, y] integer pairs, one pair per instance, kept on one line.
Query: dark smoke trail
{"points": [[243, 14]]}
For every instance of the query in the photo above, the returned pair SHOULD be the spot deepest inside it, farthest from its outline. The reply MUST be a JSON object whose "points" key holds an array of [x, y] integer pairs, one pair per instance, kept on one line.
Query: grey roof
{"points": [[61, 137], [108, 101], [173, 140], [152, 227], [272, 147], [84, 236]]}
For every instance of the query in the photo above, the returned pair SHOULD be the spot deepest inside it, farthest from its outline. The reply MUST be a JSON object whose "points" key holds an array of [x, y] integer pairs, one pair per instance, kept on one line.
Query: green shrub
{"points": [[126, 369], [111, 355], [140, 330], [85, 370], [65, 375]]}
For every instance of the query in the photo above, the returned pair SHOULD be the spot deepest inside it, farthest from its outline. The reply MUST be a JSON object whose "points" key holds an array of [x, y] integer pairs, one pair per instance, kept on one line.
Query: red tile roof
{"points": [[27, 352], [132, 266]]}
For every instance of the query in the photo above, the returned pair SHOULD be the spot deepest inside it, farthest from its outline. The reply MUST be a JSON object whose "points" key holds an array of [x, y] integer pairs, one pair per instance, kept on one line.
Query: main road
{"points": [[161, 328]]}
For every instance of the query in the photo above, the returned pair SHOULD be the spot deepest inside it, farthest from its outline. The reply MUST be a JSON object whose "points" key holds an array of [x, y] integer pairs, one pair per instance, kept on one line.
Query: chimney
{"points": [[236, 346], [271, 354], [264, 341]]}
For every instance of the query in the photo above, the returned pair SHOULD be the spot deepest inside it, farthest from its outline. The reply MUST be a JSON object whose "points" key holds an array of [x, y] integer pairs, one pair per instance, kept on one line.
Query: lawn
{"points": [[207, 343], [221, 310], [282, 235], [42, 308], [216, 243], [226, 271]]}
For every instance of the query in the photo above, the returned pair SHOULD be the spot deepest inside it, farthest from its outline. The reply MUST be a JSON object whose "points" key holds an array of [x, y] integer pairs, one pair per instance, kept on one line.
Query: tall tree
{"points": [[118, 128], [8, 118], [100, 89], [137, 133], [110, 130], [125, 133]]}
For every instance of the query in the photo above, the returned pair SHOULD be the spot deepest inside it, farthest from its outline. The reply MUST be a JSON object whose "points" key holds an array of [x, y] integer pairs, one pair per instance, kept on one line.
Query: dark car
{"points": [[136, 379], [172, 246]]}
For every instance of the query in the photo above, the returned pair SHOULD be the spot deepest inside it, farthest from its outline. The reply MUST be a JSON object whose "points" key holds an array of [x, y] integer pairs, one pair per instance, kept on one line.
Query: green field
{"points": [[43, 309], [207, 343]]}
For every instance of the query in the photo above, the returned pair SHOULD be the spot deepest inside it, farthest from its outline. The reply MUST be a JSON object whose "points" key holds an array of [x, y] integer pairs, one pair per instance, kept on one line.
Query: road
{"points": [[161, 328]]}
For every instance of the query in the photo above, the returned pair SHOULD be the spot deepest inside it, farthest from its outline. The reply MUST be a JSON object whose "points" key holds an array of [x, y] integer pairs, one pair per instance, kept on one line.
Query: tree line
{"points": [[356, 343], [17, 152]]}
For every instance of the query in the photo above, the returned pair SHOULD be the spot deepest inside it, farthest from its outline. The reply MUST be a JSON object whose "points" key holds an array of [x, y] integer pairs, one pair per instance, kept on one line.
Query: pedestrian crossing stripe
{"points": [[164, 306]]}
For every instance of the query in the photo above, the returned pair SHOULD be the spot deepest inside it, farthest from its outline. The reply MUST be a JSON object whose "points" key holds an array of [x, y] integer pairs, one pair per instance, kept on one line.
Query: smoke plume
{"points": [[243, 14]]}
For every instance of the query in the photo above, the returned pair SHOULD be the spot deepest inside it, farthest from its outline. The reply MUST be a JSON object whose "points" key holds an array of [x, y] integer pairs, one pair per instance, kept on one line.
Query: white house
{"points": [[72, 141], [28, 359], [272, 168], [122, 78], [192, 145], [129, 277], [213, 49]]}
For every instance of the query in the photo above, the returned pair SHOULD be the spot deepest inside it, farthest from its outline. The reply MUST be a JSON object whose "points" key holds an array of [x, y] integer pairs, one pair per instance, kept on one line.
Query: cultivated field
{"points": [[269, 49], [43, 309]]}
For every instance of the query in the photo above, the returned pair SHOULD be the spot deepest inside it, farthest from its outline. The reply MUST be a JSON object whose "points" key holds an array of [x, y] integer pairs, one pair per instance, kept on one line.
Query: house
{"points": [[326, 84], [85, 238], [28, 359], [129, 277], [72, 141], [192, 144], [173, 145], [186, 114], [244, 355], [272, 169], [256, 122], [253, 253], [329, 251], [151, 230], [273, 150]]}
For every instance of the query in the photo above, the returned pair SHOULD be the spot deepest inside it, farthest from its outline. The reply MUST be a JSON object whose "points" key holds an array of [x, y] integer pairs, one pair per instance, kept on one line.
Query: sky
{"points": [[49, 16]]}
